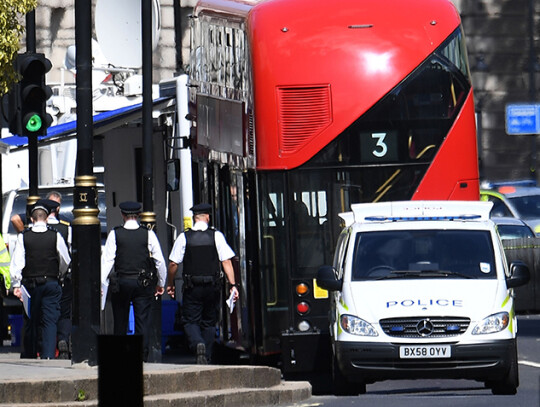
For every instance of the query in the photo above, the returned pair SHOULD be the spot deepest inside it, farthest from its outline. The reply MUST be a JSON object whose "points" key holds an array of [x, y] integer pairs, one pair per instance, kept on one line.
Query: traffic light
{"points": [[30, 96]]}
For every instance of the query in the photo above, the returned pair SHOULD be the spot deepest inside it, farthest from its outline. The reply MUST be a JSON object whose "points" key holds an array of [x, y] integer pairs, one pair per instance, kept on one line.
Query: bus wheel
{"points": [[342, 386]]}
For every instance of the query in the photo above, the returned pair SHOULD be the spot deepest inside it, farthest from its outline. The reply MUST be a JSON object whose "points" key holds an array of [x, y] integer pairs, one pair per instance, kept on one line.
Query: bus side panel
{"points": [[455, 168]]}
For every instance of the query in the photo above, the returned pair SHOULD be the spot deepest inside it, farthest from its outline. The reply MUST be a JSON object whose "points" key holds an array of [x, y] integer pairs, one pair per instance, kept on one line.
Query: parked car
{"points": [[520, 243], [516, 199], [512, 228], [14, 202]]}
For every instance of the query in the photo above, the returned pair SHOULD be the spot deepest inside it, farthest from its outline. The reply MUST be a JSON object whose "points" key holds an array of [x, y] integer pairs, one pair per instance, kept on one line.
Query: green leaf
{"points": [[11, 30]]}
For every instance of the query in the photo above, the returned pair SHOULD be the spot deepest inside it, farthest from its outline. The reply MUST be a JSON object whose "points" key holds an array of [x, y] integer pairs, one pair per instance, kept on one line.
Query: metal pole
{"points": [[532, 84], [178, 37], [184, 128], [31, 31], [86, 225], [33, 194], [148, 217]]}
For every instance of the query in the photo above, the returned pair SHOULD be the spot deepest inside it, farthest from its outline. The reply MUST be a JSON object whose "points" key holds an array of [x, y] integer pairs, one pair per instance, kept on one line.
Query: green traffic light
{"points": [[34, 123]]}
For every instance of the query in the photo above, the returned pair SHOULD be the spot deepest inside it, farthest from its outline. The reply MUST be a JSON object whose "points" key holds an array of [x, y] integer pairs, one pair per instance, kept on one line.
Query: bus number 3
{"points": [[380, 148]]}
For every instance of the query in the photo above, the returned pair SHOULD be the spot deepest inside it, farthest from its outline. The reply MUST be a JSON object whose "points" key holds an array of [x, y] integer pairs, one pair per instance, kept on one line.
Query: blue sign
{"points": [[522, 119]]}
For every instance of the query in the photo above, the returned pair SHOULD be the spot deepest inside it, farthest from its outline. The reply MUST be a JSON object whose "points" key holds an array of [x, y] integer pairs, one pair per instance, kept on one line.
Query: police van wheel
{"points": [[509, 384], [342, 385]]}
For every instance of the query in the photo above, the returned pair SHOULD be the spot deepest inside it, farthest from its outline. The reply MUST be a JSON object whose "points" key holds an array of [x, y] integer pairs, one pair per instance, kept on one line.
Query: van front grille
{"points": [[425, 327]]}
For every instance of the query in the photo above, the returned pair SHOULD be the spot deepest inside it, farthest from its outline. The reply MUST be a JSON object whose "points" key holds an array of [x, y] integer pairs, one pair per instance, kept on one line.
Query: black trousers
{"points": [[40, 328], [4, 318], [130, 292], [200, 311], [64, 322]]}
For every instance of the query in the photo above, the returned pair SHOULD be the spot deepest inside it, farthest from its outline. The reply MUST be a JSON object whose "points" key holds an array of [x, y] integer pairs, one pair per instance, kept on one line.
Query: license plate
{"points": [[424, 352]]}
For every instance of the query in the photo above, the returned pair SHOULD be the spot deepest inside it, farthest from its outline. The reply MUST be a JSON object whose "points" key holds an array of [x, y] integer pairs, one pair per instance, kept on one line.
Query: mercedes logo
{"points": [[424, 327]]}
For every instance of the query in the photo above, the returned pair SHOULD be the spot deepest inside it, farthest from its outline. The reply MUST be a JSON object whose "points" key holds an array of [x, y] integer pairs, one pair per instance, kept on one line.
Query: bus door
{"points": [[229, 202], [296, 239], [274, 267]]}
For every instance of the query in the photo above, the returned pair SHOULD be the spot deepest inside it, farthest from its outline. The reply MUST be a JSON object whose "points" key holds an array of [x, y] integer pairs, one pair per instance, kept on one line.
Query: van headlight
{"points": [[492, 324], [357, 326]]}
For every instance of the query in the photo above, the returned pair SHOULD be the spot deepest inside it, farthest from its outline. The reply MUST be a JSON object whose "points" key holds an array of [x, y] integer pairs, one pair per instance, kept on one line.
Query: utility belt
{"points": [[128, 276], [32, 282], [191, 281], [144, 278]]}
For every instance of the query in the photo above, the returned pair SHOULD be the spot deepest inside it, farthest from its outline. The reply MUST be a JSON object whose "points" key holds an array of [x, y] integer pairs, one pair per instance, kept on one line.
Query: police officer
{"points": [[136, 255], [64, 322], [20, 222], [40, 259], [201, 250]]}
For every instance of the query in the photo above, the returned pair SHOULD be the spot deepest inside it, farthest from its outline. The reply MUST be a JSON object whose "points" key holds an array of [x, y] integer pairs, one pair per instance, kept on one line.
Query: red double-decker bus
{"points": [[302, 107]]}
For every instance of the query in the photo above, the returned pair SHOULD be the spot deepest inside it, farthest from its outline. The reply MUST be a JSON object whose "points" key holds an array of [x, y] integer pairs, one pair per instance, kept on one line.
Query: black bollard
{"points": [[120, 370]]}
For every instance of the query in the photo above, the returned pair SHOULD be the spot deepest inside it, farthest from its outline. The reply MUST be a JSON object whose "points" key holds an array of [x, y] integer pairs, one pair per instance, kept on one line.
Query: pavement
{"points": [[177, 381]]}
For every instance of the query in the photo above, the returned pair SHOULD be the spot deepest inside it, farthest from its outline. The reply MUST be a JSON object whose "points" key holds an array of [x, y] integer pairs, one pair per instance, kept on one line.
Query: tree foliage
{"points": [[11, 30]]}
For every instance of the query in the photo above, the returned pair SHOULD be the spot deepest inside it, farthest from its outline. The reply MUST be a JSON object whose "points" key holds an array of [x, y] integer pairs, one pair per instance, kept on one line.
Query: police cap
{"points": [[41, 204], [52, 205], [201, 208], [130, 208]]}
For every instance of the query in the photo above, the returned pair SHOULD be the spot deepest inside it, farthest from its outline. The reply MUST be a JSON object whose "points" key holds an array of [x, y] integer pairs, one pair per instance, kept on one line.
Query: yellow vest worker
{"points": [[4, 263]]}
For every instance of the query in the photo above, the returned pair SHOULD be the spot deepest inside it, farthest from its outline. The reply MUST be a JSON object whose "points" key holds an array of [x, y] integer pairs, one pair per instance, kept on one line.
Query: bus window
{"points": [[307, 234], [274, 210]]}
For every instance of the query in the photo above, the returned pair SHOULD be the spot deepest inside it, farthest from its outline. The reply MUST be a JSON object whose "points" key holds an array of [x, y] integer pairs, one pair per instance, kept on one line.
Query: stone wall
{"points": [[498, 45]]}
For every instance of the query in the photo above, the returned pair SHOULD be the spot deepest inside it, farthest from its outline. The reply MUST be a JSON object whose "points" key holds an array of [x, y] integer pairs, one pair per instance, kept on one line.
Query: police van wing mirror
{"points": [[173, 174], [519, 274], [327, 279]]}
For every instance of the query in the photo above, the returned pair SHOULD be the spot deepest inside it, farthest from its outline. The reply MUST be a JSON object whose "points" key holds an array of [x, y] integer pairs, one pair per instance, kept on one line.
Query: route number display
{"points": [[379, 147]]}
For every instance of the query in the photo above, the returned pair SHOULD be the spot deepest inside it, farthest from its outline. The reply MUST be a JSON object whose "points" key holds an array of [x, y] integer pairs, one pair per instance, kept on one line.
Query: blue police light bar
{"points": [[417, 210], [419, 218]]}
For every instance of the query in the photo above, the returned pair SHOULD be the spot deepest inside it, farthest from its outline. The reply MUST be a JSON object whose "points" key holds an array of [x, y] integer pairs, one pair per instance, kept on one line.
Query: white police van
{"points": [[421, 289]]}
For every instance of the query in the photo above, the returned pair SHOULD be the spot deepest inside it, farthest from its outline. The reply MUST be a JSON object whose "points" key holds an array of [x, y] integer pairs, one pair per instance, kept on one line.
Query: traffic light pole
{"points": [[86, 225], [33, 195], [31, 31]]}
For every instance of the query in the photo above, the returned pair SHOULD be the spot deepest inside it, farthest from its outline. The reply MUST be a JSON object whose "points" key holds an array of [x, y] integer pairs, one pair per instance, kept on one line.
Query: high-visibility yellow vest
{"points": [[4, 263]]}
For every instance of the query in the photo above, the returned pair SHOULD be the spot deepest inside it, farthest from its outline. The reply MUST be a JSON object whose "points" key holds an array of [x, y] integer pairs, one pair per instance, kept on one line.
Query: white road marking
{"points": [[529, 363]]}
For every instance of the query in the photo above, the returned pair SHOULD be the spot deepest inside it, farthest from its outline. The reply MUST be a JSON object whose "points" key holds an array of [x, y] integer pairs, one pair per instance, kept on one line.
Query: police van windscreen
{"points": [[413, 254]]}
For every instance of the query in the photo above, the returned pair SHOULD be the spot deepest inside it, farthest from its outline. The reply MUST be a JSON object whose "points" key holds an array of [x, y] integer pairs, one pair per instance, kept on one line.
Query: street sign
{"points": [[522, 119]]}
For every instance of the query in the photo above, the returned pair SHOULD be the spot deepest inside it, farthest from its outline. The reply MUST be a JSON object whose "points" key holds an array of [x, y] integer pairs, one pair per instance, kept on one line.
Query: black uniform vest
{"points": [[131, 250], [63, 229], [41, 256], [201, 256]]}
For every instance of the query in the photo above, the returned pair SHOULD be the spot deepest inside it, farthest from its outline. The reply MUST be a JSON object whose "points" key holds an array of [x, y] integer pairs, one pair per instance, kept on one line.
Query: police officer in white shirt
{"points": [[202, 250], [139, 272], [39, 259]]}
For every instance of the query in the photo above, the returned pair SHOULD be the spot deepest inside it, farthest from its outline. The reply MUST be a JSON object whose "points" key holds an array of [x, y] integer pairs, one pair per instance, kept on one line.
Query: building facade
{"points": [[55, 32]]}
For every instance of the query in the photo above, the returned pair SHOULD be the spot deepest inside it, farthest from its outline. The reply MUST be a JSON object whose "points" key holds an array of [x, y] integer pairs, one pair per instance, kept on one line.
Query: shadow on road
{"points": [[529, 325]]}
